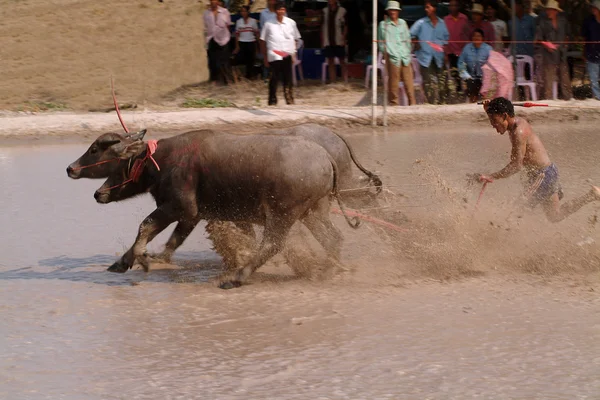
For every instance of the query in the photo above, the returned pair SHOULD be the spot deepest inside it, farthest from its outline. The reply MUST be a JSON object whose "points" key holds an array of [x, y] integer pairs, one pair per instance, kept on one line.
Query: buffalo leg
{"points": [[327, 234], [151, 226], [274, 238], [181, 232]]}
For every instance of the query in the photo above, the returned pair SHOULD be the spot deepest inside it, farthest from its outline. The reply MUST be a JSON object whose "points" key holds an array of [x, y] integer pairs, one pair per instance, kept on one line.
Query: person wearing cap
{"points": [[552, 32], [591, 33], [334, 31], [477, 22], [425, 32], [395, 45]]}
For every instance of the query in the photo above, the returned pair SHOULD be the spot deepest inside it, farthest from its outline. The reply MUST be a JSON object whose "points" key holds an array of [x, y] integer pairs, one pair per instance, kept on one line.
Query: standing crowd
{"points": [[448, 53], [457, 47]]}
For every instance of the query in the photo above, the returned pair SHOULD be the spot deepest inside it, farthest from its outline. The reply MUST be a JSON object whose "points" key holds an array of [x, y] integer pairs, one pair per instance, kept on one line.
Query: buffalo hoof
{"points": [[118, 267], [230, 284]]}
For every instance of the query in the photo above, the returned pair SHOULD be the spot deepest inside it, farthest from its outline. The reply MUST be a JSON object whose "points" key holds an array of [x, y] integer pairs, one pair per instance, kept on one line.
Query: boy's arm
{"points": [[516, 157]]}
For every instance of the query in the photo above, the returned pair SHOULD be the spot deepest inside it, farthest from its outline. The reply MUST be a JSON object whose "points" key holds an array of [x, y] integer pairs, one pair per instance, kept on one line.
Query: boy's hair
{"points": [[432, 3], [279, 5], [501, 105], [246, 8]]}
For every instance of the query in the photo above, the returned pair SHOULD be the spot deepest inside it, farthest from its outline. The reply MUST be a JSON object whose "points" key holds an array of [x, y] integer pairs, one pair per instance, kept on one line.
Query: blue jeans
{"points": [[594, 73]]}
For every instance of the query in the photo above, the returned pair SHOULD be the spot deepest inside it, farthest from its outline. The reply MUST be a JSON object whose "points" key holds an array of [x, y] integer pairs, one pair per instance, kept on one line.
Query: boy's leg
{"points": [[556, 213]]}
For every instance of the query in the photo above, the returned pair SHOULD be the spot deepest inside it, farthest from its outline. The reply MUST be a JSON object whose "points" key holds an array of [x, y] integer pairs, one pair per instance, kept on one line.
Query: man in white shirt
{"points": [[246, 35], [278, 44], [216, 32], [500, 27], [268, 14]]}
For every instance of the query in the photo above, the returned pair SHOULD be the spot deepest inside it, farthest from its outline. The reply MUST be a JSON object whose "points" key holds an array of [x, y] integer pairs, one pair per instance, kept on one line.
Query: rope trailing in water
{"points": [[370, 219], [481, 194]]}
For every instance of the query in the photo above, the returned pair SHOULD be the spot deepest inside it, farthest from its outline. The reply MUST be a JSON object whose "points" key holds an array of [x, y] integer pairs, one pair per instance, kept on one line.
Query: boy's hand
{"points": [[486, 104], [485, 178], [477, 178]]}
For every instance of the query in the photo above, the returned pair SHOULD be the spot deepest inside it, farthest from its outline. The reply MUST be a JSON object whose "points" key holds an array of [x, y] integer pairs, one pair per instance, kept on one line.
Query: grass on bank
{"points": [[206, 103]]}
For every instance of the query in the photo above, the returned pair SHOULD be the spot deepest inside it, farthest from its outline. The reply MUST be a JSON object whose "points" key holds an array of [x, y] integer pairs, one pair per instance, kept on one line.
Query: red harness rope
{"points": [[138, 165], [95, 164]]}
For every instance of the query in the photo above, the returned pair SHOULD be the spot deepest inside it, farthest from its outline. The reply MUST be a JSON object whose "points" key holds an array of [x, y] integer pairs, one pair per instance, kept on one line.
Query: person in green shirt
{"points": [[395, 43]]}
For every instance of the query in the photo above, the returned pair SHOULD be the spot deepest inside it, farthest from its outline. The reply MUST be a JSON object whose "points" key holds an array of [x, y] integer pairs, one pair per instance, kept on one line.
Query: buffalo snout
{"points": [[101, 197], [72, 172]]}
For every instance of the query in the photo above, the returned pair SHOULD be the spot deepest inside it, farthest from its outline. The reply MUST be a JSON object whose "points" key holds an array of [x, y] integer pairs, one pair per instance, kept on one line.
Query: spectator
{"points": [[268, 14], [500, 28], [472, 58], [334, 31], [477, 22], [525, 27], [246, 41], [554, 28], [278, 43], [397, 47], [455, 23], [217, 21], [431, 30], [591, 33]]}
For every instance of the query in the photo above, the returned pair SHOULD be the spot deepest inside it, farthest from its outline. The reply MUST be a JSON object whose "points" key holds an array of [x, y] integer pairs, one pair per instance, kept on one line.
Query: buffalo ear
{"points": [[125, 151], [137, 135], [106, 143]]}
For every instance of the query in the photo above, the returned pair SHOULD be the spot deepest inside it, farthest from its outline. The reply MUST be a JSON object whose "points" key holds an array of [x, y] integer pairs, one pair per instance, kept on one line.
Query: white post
{"points": [[374, 68], [385, 80]]}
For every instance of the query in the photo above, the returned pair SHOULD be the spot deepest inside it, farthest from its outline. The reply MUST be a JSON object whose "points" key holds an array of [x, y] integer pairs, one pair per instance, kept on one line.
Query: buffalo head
{"points": [[102, 157], [122, 182]]}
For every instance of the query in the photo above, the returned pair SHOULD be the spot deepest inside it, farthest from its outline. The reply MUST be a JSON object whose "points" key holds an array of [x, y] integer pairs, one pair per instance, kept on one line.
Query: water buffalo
{"points": [[270, 180], [100, 160]]}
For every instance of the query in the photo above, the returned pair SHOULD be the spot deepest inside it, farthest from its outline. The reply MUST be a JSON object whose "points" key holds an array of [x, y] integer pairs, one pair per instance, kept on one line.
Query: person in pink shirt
{"points": [[477, 22], [455, 23], [217, 21]]}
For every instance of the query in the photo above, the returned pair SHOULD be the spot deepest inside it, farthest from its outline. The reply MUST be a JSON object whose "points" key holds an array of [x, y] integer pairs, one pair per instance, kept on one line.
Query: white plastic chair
{"points": [[380, 66], [324, 69], [298, 63], [523, 60], [417, 82]]}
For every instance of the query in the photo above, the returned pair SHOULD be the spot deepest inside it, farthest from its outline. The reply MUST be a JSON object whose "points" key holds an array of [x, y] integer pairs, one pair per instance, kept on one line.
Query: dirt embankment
{"points": [[63, 52]]}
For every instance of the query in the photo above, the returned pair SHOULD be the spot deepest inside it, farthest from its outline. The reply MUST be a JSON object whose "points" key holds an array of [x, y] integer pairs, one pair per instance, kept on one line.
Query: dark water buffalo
{"points": [[270, 180], [100, 160]]}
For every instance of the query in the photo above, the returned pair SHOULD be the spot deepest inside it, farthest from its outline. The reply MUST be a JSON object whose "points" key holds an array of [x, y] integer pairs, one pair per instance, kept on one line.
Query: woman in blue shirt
{"points": [[472, 58]]}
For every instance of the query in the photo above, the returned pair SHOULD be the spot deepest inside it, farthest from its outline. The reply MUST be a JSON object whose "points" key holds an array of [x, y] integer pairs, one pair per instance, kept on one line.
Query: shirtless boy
{"points": [[529, 153]]}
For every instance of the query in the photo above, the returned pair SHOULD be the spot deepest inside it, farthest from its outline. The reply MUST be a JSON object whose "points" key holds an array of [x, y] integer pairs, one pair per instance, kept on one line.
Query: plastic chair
{"points": [[417, 82], [380, 66], [523, 60], [324, 69], [298, 63]]}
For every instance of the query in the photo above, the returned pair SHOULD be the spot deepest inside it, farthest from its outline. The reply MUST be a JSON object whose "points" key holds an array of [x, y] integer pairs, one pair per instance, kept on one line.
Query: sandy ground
{"points": [[63, 52]]}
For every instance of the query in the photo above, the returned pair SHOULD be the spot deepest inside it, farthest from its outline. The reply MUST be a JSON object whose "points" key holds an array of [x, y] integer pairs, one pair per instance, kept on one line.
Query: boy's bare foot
{"points": [[596, 192]]}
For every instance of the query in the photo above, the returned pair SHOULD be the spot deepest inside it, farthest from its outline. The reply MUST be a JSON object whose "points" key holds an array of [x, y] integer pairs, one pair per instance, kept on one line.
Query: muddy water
{"points": [[70, 330]]}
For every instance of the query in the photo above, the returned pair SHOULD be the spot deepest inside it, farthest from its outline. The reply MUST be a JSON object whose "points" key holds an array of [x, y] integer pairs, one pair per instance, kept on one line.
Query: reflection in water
{"points": [[73, 331]]}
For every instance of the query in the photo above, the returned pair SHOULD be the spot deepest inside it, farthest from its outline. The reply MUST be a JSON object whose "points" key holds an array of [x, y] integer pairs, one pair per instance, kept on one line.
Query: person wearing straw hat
{"points": [[477, 22], [552, 32], [395, 43], [591, 33]]}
